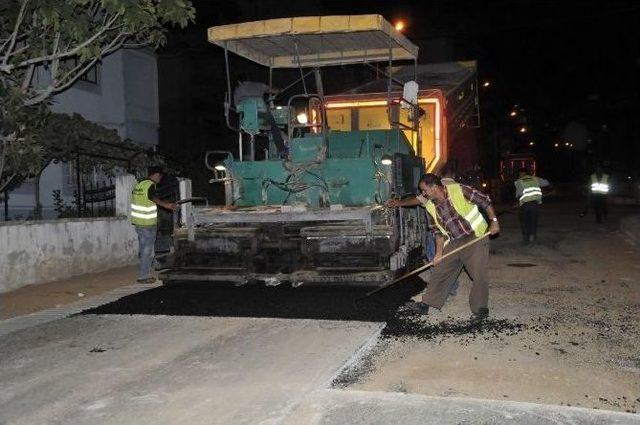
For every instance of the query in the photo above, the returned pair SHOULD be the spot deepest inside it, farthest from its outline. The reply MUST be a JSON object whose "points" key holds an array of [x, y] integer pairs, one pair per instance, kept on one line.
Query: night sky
{"points": [[562, 63]]}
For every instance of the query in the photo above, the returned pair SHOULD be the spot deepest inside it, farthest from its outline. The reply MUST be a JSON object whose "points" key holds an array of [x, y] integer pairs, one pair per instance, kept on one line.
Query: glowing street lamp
{"points": [[399, 25], [487, 83], [513, 113], [532, 143], [523, 129], [556, 145]]}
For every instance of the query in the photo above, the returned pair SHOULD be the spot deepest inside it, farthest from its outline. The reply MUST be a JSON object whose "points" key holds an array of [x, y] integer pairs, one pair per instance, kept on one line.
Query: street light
{"points": [[523, 129], [487, 83], [532, 143], [513, 113], [556, 145], [399, 25]]}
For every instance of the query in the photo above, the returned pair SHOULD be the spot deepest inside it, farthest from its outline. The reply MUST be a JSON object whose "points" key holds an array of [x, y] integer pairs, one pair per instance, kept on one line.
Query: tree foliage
{"points": [[60, 40]]}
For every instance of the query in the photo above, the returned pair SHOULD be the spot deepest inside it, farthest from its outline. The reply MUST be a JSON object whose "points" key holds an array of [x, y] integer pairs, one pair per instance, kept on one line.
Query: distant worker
{"points": [[144, 216], [599, 191], [255, 90], [529, 195], [454, 210]]}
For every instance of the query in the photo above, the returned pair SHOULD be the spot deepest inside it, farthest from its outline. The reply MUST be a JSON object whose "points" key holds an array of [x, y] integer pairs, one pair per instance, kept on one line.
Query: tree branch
{"points": [[26, 82], [6, 140], [72, 52], [53, 88], [115, 45], [8, 181], [2, 156], [14, 35]]}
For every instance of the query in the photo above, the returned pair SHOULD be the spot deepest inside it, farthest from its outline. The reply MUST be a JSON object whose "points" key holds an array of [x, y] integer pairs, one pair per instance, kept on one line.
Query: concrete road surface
{"points": [[140, 370], [337, 407]]}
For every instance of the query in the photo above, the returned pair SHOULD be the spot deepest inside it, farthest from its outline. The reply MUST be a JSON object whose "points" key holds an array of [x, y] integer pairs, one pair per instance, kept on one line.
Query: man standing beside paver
{"points": [[529, 195], [144, 216], [447, 176], [454, 210]]}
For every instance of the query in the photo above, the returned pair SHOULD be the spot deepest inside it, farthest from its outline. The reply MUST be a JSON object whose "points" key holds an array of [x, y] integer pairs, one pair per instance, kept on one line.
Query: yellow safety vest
{"points": [[531, 190], [144, 211], [467, 210], [600, 187]]}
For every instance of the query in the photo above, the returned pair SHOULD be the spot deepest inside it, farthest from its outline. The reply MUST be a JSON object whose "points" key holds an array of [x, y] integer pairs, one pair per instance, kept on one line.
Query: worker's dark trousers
{"points": [[475, 260], [529, 220], [599, 204]]}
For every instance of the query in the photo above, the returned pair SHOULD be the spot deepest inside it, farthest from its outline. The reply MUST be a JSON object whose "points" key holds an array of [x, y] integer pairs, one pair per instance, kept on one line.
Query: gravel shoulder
{"points": [[564, 325]]}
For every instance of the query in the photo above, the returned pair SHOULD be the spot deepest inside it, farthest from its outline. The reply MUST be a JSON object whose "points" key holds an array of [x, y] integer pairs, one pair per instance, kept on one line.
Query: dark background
{"points": [[570, 69]]}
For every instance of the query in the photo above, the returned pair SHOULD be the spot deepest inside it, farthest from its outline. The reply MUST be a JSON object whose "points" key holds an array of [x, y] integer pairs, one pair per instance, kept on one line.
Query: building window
{"points": [[91, 76]]}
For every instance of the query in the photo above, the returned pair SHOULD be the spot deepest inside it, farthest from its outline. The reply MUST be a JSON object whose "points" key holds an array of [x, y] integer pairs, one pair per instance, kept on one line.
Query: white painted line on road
{"points": [[41, 317]]}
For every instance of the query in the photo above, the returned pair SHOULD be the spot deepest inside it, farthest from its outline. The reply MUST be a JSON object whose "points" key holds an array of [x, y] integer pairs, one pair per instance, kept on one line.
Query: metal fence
{"points": [[97, 199]]}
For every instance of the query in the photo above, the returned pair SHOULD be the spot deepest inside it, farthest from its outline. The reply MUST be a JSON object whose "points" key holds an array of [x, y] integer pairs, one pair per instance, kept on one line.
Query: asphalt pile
{"points": [[321, 303], [410, 325]]}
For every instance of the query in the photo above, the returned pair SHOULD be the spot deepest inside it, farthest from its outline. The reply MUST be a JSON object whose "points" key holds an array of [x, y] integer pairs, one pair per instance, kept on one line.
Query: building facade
{"points": [[120, 93]]}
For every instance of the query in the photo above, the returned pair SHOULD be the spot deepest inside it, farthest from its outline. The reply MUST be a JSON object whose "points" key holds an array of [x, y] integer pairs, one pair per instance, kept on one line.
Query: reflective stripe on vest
{"points": [[144, 211], [600, 187], [465, 209], [530, 190]]}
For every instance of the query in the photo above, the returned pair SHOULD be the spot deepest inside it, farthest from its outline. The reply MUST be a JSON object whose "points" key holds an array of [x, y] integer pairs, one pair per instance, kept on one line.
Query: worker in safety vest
{"points": [[144, 216], [599, 185], [529, 195], [454, 210], [447, 176]]}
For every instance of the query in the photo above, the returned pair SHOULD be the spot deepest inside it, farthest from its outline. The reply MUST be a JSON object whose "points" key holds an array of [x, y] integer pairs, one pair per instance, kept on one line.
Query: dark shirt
{"points": [[456, 226], [151, 193]]}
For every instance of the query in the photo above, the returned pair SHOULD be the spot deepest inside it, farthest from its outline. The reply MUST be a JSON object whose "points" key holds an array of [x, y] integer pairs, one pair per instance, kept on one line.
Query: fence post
{"points": [[124, 185], [78, 186]]}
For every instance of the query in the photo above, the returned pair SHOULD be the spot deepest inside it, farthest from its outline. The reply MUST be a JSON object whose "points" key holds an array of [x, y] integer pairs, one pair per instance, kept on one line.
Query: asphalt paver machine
{"points": [[305, 204]]}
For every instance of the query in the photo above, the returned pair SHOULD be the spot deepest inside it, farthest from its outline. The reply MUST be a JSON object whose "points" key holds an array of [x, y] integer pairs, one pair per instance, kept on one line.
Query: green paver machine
{"points": [[305, 204]]}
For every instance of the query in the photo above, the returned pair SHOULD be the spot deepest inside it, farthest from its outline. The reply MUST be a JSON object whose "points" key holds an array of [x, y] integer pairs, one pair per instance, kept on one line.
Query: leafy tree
{"points": [[60, 40]]}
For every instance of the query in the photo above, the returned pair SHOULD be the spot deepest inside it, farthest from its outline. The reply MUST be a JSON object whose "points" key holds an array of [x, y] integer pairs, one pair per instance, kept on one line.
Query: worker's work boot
{"points": [[417, 307], [482, 314], [147, 280]]}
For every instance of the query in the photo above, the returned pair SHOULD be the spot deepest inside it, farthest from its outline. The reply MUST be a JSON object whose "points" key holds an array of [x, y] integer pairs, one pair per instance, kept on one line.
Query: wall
{"points": [[41, 251], [125, 97]]}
